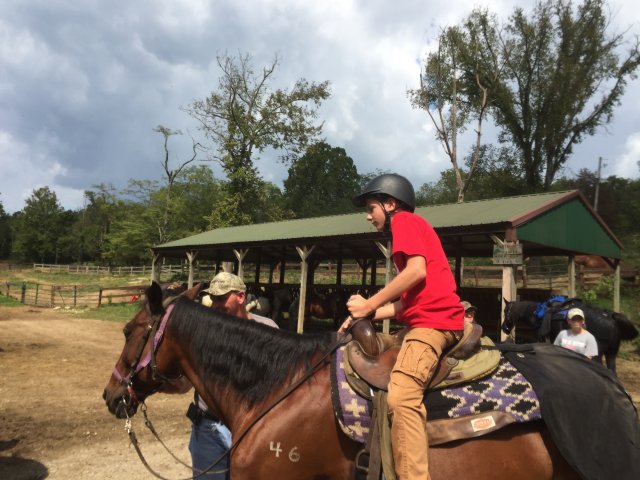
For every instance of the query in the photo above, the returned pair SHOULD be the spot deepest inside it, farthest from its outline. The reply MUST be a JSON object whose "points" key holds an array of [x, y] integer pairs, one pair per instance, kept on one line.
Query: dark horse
{"points": [[248, 374], [609, 328]]}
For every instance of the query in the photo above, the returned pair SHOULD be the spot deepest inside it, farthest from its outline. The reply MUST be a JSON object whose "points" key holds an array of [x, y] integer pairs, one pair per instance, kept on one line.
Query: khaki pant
{"points": [[421, 349]]}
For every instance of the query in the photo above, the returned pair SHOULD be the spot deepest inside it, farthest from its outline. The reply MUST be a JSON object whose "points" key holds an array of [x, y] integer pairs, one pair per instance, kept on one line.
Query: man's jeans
{"points": [[209, 440]]}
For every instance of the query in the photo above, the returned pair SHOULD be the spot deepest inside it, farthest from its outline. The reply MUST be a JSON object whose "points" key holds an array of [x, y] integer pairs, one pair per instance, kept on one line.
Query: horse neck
{"points": [[235, 365], [224, 403]]}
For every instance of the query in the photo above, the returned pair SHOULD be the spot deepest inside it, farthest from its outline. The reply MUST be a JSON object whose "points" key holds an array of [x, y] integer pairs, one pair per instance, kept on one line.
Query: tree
{"points": [[243, 117], [130, 237], [322, 182], [5, 233], [196, 194], [39, 227], [94, 221], [441, 94], [496, 176], [166, 199], [554, 77]]}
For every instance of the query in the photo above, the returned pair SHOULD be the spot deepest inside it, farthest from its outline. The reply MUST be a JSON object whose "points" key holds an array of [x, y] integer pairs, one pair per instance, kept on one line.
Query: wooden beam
{"points": [[616, 287], [571, 274], [240, 254], [304, 253], [509, 292], [155, 268], [388, 253], [191, 256]]}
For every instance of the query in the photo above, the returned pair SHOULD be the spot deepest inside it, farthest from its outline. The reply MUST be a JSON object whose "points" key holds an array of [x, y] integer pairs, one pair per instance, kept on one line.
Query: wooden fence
{"points": [[551, 277], [71, 296], [138, 270]]}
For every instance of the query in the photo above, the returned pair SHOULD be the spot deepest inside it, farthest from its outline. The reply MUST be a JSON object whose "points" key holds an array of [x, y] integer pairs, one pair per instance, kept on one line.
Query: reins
{"points": [[317, 366]]}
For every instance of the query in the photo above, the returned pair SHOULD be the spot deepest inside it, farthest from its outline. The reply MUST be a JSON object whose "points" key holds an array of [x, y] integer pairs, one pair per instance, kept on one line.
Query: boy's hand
{"points": [[359, 307], [345, 325]]}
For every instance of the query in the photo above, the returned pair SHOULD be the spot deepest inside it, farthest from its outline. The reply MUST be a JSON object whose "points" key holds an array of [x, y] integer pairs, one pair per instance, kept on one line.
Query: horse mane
{"points": [[250, 357]]}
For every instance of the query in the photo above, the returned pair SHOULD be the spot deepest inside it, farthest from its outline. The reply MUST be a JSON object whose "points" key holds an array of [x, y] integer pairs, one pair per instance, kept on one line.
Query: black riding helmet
{"points": [[390, 184]]}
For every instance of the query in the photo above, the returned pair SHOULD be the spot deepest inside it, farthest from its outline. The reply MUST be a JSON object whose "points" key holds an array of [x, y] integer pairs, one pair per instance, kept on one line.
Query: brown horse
{"points": [[247, 374]]}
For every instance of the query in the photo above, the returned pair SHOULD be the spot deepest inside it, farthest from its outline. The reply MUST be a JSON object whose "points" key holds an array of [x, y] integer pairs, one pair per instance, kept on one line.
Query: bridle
{"points": [[155, 329]]}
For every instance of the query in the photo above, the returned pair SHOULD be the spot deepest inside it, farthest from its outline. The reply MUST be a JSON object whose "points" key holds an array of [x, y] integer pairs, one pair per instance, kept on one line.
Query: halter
{"points": [[156, 328]]}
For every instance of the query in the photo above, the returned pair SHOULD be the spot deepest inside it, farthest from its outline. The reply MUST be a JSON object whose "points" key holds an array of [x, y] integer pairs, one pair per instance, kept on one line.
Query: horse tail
{"points": [[628, 330]]}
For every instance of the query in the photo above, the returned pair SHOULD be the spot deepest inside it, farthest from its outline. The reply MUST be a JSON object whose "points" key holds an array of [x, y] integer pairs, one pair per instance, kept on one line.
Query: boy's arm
{"points": [[414, 273]]}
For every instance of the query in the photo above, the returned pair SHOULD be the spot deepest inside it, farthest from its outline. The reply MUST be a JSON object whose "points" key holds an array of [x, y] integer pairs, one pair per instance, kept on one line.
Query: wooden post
{"points": [[387, 252], [283, 264], [75, 296], [271, 267], [240, 254], [191, 256], [304, 253], [23, 293], [155, 268], [339, 266], [571, 277], [53, 295], [100, 297], [258, 267], [459, 262], [509, 292], [363, 266], [507, 253], [37, 291], [616, 287], [374, 271]]}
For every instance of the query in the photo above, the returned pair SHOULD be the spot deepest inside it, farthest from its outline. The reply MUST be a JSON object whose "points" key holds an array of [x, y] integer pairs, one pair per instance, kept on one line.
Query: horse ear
{"points": [[154, 298]]}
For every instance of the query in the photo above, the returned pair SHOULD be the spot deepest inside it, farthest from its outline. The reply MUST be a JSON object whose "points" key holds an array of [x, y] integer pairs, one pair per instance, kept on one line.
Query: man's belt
{"points": [[196, 414]]}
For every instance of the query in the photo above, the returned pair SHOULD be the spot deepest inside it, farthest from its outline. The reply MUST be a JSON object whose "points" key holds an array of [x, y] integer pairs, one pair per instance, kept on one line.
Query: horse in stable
{"points": [[274, 389]]}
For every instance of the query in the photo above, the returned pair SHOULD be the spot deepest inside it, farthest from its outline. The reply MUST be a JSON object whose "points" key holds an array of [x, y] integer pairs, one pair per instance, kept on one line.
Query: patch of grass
{"points": [[117, 312], [9, 302]]}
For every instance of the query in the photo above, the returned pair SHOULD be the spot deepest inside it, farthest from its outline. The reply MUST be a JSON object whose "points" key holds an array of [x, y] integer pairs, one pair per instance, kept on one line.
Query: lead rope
{"points": [[308, 374]]}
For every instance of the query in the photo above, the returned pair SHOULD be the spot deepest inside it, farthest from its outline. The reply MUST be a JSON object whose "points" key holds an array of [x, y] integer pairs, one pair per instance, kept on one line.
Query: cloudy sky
{"points": [[83, 84]]}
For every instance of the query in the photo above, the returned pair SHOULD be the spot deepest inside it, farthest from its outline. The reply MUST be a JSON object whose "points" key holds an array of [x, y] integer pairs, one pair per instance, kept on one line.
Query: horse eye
{"points": [[126, 332]]}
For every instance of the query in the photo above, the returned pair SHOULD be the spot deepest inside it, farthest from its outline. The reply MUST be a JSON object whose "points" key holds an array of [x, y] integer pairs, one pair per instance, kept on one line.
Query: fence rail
{"points": [[142, 270], [551, 277], [73, 296]]}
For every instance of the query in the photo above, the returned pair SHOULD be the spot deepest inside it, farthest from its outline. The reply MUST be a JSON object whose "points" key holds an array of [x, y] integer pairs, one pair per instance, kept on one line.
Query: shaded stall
{"points": [[504, 229]]}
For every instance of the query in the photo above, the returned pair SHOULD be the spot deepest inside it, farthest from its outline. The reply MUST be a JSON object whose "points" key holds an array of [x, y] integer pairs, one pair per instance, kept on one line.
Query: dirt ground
{"points": [[53, 421]]}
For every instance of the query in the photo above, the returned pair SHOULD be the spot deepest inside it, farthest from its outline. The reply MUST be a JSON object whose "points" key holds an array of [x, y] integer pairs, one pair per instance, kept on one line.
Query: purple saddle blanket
{"points": [[505, 390]]}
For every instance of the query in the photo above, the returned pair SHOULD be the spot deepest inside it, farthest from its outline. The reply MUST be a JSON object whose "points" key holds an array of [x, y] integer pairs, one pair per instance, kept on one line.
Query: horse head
{"points": [[508, 323], [136, 374]]}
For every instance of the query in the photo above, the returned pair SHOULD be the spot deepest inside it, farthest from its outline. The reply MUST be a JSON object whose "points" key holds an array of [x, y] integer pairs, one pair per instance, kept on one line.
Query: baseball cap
{"points": [[224, 283], [466, 305], [575, 312]]}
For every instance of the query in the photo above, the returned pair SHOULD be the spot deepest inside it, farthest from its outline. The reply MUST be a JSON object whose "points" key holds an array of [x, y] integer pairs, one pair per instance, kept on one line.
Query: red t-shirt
{"points": [[432, 303]]}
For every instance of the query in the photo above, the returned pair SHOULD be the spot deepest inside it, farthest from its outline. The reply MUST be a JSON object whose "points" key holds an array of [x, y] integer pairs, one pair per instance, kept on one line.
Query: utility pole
{"points": [[595, 201]]}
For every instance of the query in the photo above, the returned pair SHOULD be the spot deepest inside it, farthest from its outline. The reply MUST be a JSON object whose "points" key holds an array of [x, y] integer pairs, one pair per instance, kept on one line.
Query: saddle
{"points": [[369, 360], [372, 355]]}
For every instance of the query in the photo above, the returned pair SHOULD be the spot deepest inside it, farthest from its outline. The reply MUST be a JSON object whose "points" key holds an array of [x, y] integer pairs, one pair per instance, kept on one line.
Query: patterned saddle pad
{"points": [[504, 390]]}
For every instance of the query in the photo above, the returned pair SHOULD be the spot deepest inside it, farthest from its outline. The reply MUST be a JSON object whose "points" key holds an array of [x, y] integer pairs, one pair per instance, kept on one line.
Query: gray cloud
{"points": [[83, 84]]}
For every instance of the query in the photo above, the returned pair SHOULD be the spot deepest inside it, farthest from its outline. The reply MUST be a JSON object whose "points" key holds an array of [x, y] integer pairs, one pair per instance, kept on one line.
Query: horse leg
{"points": [[611, 362]]}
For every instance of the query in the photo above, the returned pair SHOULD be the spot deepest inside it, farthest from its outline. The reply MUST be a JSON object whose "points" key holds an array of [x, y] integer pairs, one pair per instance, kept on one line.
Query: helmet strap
{"points": [[387, 216]]}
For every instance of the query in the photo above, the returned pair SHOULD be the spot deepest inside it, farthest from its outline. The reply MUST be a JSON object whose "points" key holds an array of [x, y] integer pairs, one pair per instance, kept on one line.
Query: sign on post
{"points": [[507, 254]]}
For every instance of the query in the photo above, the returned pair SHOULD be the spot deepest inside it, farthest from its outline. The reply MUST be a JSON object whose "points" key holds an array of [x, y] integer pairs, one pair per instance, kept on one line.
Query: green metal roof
{"points": [[547, 224]]}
